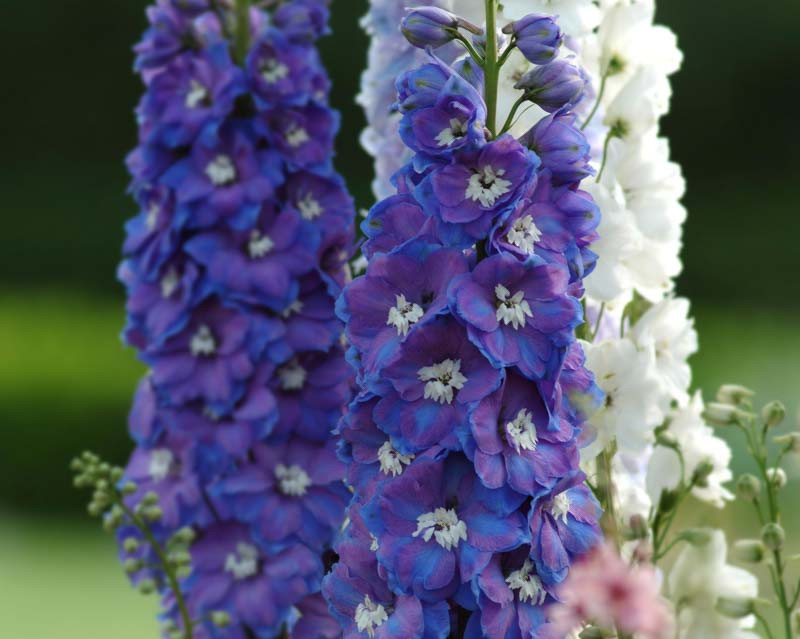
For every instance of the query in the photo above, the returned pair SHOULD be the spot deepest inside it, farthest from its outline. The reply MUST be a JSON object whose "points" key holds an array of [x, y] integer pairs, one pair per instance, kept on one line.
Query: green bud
{"points": [[791, 442], [595, 632], [696, 536], [773, 414], [773, 536], [95, 509], [734, 394], [132, 565], [104, 469], [777, 477], [116, 474], [735, 607], [169, 625], [220, 619], [146, 586], [180, 558], [185, 535], [183, 571], [666, 439], [722, 414], [115, 517], [150, 498], [667, 501], [129, 487], [750, 551], [130, 544], [702, 473], [76, 465], [153, 513], [748, 487], [176, 634]]}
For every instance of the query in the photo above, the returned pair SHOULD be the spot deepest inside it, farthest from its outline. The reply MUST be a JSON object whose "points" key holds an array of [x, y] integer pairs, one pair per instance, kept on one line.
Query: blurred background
{"points": [[66, 380]]}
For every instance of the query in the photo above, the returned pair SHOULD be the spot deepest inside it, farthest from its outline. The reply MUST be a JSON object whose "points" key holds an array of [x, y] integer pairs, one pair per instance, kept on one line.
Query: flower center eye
{"points": [[404, 314], [170, 282], [559, 507], [203, 342], [369, 616], [259, 245], [443, 525], [522, 431], [296, 136], [243, 563], [272, 70], [456, 131], [442, 380], [221, 171], [528, 585], [511, 309], [293, 480], [197, 95], [309, 207], [292, 376], [524, 234], [392, 461], [160, 464], [486, 186]]}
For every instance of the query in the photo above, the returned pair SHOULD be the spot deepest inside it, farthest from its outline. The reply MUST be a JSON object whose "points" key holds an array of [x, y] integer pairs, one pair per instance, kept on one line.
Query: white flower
{"points": [[668, 329], [635, 400], [639, 105], [698, 579], [699, 445]]}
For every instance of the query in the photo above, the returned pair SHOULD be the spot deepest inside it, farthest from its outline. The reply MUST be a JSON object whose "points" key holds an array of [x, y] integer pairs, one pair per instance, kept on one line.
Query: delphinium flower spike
{"points": [[463, 442], [232, 269]]}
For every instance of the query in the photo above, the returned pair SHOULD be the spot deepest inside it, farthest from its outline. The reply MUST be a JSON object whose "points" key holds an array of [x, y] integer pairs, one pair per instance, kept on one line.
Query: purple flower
{"points": [[259, 265], [563, 525], [315, 620], [304, 135], [429, 26], [302, 20], [321, 200], [150, 236], [310, 320], [553, 86], [563, 148], [516, 442], [281, 73], [232, 573], [390, 223], [438, 526], [517, 314], [398, 294], [537, 37], [436, 378]]}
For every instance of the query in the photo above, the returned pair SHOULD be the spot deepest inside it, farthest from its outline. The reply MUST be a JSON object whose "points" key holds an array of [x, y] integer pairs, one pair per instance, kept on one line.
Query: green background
{"points": [[66, 381]]}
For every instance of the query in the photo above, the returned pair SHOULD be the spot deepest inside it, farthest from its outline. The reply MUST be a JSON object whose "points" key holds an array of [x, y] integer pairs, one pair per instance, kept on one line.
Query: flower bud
{"points": [[429, 26], [773, 414], [735, 607], [773, 536], [722, 414], [777, 477], [538, 37], [750, 551], [638, 527], [146, 586], [220, 619], [702, 473], [130, 544], [790, 441], [132, 565], [734, 394], [696, 536], [748, 487], [553, 85], [128, 488]]}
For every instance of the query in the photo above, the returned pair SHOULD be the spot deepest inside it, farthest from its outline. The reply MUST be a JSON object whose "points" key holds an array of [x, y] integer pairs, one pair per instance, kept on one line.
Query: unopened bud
{"points": [[773, 414], [722, 414], [146, 586], [220, 619], [130, 544], [777, 477], [791, 442], [735, 607], [702, 473], [666, 439], [773, 536], [429, 27], [696, 536], [153, 513], [129, 487], [553, 85], [537, 36], [734, 394], [185, 535], [748, 487], [132, 565], [750, 551], [180, 558], [116, 474], [150, 498], [638, 527]]}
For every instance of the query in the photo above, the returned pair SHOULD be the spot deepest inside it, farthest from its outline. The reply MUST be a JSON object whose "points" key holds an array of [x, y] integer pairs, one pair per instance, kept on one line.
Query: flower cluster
{"points": [[232, 268], [463, 441]]}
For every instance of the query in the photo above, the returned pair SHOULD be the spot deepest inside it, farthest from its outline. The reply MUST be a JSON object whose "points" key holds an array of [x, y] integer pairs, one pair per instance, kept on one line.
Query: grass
{"points": [[66, 384]]}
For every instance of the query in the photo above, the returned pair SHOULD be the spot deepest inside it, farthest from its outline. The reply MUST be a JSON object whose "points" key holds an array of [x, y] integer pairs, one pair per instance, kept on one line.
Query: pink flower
{"points": [[602, 589]]}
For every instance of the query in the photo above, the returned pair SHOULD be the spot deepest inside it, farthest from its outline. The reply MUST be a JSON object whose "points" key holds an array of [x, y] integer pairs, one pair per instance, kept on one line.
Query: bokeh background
{"points": [[65, 379]]}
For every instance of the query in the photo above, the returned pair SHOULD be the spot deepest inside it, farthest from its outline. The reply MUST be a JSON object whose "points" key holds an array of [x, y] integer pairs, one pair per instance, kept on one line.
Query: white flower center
{"points": [[443, 525], [152, 216], [170, 282], [293, 480], [392, 461], [272, 70], [559, 507], [296, 136], [511, 309], [374, 545], [309, 207], [259, 245], [524, 234], [160, 464], [203, 342], [243, 563], [529, 585], [369, 616], [522, 431], [487, 186], [221, 171], [294, 307], [404, 314], [197, 95], [441, 380], [456, 130], [292, 376]]}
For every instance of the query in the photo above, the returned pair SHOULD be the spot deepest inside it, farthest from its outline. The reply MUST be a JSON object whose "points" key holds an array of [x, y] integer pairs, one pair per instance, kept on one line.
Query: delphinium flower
{"points": [[232, 269], [463, 440]]}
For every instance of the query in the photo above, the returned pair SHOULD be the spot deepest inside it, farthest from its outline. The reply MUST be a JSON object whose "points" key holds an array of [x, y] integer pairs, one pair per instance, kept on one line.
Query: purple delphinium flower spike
{"points": [[232, 270], [462, 444]]}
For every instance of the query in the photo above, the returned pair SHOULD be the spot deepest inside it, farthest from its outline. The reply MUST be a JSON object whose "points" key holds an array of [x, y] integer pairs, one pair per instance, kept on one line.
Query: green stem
{"points": [[663, 553], [596, 106], [597, 323], [609, 137], [468, 46], [242, 42], [491, 68], [605, 486], [165, 564], [510, 119], [767, 629]]}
